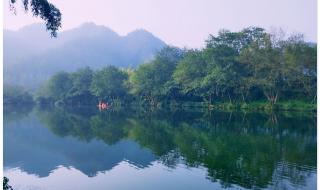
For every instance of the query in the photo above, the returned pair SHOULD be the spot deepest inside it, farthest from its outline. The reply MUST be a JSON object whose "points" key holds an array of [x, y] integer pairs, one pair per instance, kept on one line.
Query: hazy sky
{"points": [[181, 22]]}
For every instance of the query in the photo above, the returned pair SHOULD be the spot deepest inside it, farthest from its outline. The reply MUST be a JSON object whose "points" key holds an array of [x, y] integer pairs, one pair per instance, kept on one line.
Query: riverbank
{"points": [[292, 105]]}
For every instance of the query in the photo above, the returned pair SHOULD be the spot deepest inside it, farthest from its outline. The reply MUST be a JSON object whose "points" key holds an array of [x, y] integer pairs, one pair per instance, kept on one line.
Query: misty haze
{"points": [[150, 94]]}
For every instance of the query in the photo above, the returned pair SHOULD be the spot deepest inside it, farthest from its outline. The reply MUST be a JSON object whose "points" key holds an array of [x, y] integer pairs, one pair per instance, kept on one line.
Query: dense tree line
{"points": [[85, 86], [15, 95], [245, 66]]}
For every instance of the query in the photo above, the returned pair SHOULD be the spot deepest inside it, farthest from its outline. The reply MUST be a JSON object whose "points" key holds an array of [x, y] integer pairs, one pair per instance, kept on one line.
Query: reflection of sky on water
{"points": [[36, 150], [122, 176], [36, 158], [126, 176]]}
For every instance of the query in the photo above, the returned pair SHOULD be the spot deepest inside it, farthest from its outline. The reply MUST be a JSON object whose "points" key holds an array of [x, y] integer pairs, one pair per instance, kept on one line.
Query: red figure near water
{"points": [[103, 105]]}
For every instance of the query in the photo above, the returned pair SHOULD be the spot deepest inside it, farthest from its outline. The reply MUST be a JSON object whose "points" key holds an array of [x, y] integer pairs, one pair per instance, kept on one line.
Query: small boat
{"points": [[103, 105]]}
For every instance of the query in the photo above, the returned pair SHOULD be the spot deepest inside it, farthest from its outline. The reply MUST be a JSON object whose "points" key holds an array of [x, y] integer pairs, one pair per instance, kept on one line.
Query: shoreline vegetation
{"points": [[264, 106], [246, 70]]}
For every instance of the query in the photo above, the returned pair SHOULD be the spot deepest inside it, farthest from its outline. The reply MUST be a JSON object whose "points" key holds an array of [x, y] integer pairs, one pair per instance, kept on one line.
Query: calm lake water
{"points": [[82, 148]]}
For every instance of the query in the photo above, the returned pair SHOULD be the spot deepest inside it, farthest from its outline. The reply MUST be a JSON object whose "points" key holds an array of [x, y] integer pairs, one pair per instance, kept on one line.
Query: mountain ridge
{"points": [[31, 56]]}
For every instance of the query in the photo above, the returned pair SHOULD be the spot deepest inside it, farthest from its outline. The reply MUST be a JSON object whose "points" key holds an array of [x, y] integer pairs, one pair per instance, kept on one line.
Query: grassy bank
{"points": [[291, 105]]}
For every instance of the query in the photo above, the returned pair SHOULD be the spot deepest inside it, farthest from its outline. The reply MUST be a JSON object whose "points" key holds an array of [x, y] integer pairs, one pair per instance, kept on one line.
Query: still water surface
{"points": [[82, 148]]}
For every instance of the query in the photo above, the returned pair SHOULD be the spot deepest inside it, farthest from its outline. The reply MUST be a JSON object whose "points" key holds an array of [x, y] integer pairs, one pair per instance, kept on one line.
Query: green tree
{"points": [[190, 72], [225, 75], [301, 65], [16, 95], [266, 67], [59, 86], [81, 82], [142, 83], [109, 83], [151, 80], [43, 9]]}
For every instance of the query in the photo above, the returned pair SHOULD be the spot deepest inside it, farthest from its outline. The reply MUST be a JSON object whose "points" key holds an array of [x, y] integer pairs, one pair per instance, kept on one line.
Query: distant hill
{"points": [[31, 56]]}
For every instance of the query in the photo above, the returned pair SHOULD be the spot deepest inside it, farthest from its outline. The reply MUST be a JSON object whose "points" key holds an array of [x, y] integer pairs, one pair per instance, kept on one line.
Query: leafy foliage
{"points": [[59, 86], [15, 95], [45, 10], [109, 82], [151, 81], [6, 185], [250, 65]]}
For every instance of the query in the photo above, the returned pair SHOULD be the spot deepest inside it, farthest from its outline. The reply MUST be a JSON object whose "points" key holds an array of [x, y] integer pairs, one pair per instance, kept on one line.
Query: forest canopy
{"points": [[245, 66]]}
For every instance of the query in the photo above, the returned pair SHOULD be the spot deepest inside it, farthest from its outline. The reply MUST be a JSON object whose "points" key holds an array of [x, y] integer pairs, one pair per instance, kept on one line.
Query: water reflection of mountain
{"points": [[36, 150], [247, 149]]}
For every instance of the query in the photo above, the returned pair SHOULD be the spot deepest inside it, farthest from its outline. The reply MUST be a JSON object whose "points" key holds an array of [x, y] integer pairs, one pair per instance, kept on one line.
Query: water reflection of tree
{"points": [[106, 126], [235, 148], [11, 112], [64, 123], [109, 129]]}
